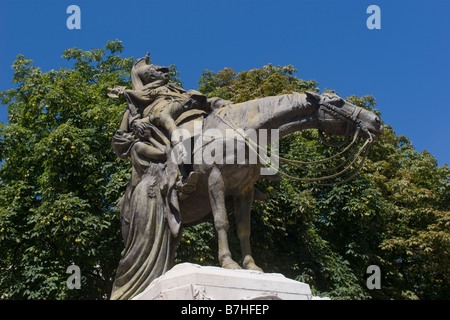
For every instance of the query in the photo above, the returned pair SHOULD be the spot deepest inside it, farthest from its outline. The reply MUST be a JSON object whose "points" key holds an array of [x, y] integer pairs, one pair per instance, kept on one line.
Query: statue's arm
{"points": [[161, 147], [124, 124], [149, 151], [145, 96]]}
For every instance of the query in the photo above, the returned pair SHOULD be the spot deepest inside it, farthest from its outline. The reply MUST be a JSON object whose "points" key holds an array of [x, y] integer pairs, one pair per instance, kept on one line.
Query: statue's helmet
{"points": [[143, 73]]}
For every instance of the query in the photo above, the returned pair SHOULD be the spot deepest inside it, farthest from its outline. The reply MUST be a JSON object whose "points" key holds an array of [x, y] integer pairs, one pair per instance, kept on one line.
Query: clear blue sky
{"points": [[405, 65]]}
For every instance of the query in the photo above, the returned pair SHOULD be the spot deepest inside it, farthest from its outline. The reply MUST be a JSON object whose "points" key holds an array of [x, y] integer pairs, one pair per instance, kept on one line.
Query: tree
{"points": [[415, 247], [60, 180]]}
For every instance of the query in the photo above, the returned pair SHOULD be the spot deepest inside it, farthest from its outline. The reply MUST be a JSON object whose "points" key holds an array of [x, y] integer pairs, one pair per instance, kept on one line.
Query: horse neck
{"points": [[286, 113]]}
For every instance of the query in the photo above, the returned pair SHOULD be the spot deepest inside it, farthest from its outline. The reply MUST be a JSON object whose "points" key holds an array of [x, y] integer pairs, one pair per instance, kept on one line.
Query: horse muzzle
{"points": [[370, 124]]}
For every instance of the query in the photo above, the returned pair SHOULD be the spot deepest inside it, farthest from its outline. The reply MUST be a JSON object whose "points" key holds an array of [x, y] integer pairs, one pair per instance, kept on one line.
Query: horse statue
{"points": [[151, 235], [219, 182]]}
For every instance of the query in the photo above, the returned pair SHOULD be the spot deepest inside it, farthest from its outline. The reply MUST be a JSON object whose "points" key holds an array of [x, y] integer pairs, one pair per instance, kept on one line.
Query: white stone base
{"points": [[188, 281]]}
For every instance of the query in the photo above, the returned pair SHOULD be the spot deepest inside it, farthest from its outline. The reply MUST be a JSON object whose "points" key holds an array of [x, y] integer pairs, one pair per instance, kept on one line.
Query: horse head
{"points": [[339, 117]]}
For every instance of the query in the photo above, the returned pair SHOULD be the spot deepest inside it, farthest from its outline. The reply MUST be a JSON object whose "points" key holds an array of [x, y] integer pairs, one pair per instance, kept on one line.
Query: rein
{"points": [[351, 118], [298, 164]]}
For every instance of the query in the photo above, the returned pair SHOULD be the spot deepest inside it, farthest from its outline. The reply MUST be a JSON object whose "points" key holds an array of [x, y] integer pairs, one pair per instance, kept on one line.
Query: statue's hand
{"points": [[140, 127], [116, 92]]}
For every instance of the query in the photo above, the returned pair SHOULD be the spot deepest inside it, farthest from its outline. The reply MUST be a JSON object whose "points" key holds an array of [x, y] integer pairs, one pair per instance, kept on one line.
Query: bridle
{"points": [[351, 119]]}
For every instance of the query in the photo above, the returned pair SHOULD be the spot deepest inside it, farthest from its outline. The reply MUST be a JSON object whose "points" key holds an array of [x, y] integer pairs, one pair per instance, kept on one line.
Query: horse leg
{"points": [[216, 188], [242, 211]]}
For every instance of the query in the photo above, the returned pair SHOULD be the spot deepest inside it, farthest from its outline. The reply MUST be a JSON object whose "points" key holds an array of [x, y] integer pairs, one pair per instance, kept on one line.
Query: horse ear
{"points": [[312, 95]]}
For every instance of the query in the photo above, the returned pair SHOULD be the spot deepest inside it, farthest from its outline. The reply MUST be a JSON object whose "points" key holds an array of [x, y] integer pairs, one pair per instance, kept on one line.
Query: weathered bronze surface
{"points": [[168, 191]]}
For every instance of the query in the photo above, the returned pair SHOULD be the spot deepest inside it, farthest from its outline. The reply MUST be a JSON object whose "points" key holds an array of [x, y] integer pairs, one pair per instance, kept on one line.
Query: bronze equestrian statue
{"points": [[170, 190]]}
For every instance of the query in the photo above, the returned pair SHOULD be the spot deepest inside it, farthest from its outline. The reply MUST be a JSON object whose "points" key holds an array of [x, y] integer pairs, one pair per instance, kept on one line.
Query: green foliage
{"points": [[256, 83], [175, 75], [60, 180]]}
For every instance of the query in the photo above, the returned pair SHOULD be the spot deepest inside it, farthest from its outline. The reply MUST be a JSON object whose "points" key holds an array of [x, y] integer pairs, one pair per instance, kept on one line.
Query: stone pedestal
{"points": [[188, 281]]}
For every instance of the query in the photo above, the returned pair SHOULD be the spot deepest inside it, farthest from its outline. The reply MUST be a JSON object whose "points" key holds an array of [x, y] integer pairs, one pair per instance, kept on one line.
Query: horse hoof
{"points": [[254, 267], [249, 264], [231, 265]]}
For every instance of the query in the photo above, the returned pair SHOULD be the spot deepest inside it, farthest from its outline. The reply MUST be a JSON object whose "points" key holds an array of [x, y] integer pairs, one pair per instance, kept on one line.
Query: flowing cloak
{"points": [[149, 243]]}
